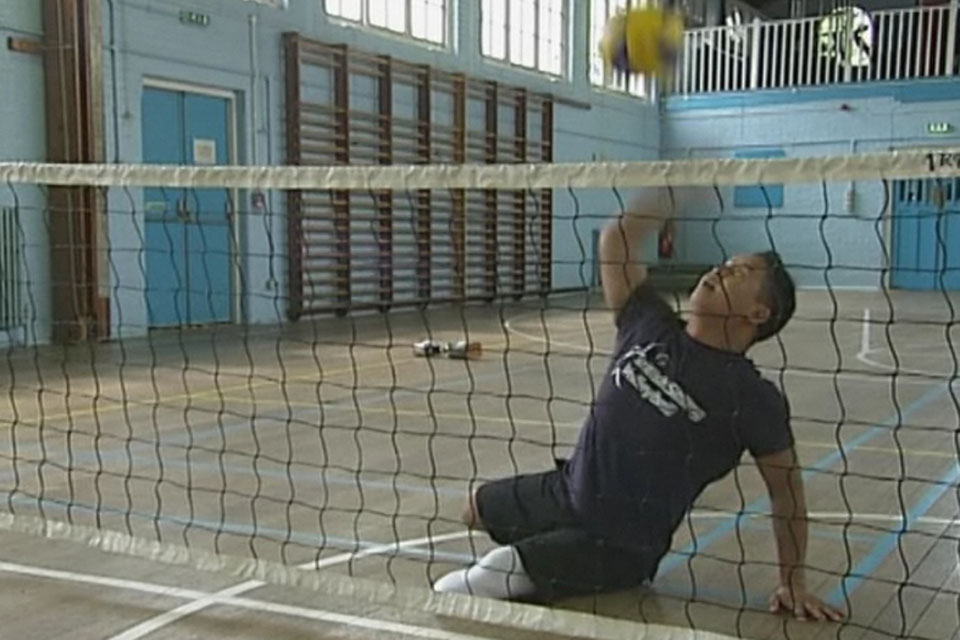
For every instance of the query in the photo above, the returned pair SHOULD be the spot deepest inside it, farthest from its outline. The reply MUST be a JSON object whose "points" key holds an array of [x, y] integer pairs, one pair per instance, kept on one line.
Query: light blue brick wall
{"points": [[834, 121], [22, 137], [150, 42]]}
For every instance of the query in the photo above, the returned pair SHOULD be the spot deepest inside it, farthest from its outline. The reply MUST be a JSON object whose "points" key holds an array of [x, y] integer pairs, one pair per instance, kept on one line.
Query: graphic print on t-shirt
{"points": [[641, 368]]}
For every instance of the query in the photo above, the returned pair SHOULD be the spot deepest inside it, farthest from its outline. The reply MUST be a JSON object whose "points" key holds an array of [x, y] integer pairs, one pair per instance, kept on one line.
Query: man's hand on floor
{"points": [[803, 605]]}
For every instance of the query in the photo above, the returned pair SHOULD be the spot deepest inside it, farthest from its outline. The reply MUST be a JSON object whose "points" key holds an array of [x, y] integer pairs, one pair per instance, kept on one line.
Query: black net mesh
{"points": [[321, 387]]}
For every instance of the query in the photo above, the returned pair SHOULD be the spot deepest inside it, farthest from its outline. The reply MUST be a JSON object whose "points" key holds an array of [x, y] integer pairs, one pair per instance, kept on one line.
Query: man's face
{"points": [[733, 289]]}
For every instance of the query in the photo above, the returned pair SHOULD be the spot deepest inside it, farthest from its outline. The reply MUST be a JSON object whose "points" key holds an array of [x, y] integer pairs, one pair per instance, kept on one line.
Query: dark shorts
{"points": [[532, 513]]}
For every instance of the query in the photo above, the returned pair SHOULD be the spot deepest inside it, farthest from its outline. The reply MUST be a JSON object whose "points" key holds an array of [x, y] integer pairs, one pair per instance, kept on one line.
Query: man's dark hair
{"points": [[779, 295]]}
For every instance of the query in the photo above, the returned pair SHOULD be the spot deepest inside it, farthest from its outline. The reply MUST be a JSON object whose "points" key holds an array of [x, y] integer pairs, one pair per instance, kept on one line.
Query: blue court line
{"points": [[888, 541], [676, 559]]}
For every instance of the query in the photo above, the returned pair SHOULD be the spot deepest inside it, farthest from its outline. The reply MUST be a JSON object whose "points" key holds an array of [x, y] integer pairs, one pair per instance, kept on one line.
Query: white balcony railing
{"points": [[848, 46]]}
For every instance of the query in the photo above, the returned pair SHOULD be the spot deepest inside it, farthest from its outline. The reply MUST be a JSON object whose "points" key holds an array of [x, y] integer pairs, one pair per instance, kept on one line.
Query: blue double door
{"points": [[187, 231], [926, 234]]}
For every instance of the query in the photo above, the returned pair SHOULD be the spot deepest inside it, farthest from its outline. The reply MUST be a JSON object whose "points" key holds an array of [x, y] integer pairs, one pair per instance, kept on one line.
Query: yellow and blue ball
{"points": [[646, 41]]}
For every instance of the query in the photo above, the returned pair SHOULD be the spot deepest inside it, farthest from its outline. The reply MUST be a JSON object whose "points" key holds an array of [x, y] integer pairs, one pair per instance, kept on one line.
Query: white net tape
{"points": [[902, 164]]}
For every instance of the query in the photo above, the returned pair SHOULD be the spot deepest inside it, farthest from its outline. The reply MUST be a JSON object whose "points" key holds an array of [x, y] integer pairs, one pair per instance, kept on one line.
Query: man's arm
{"points": [[621, 269], [784, 482]]}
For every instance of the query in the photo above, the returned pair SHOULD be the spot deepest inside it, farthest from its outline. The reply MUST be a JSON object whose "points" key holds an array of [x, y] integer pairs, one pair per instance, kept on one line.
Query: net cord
{"points": [[901, 164]]}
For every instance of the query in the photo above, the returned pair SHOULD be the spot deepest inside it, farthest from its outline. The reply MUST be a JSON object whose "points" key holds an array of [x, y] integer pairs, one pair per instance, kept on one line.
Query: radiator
{"points": [[11, 314]]}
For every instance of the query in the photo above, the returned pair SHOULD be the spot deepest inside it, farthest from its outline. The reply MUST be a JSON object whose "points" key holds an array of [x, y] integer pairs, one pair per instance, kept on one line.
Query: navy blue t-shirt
{"points": [[671, 416]]}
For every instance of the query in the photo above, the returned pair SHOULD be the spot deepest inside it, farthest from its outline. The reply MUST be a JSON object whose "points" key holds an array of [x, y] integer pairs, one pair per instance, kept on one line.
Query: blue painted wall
{"points": [[145, 40], [148, 41], [825, 121], [22, 137]]}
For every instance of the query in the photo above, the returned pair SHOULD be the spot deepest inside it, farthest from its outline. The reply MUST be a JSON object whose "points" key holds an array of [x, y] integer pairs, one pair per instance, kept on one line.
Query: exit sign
{"points": [[939, 128], [194, 18]]}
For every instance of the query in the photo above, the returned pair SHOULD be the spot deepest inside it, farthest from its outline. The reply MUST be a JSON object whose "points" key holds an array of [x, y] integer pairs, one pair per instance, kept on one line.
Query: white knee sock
{"points": [[499, 574]]}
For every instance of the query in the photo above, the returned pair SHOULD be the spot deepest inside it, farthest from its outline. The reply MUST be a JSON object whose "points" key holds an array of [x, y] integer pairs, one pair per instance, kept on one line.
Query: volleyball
{"points": [[646, 41]]}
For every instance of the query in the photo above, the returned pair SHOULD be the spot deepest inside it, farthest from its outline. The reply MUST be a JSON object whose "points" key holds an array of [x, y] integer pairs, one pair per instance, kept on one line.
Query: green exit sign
{"points": [[194, 18], [939, 128]]}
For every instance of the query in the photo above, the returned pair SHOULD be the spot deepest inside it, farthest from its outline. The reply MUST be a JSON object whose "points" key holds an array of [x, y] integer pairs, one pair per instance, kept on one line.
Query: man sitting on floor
{"points": [[679, 405]]}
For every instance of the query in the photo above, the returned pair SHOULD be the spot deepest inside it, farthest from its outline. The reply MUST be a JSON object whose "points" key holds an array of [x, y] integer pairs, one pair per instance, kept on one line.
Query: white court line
{"points": [[834, 515], [864, 334], [384, 548], [173, 615], [243, 603], [865, 351], [848, 375], [508, 325]]}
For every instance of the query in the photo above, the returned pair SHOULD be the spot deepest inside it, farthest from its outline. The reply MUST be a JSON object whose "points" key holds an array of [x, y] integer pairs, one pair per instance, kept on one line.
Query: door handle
{"points": [[182, 212]]}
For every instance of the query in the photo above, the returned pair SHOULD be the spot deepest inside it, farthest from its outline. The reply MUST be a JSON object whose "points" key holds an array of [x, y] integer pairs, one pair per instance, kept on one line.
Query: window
{"points": [[527, 33], [420, 19], [601, 11]]}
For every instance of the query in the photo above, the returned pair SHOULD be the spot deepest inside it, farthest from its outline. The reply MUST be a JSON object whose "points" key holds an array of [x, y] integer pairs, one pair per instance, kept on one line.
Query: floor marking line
{"points": [[929, 453], [369, 481], [888, 541], [865, 351], [843, 375], [835, 515], [721, 530], [206, 428], [116, 583], [870, 362], [539, 423], [414, 413], [865, 334], [385, 548], [147, 403], [173, 615], [244, 603]]}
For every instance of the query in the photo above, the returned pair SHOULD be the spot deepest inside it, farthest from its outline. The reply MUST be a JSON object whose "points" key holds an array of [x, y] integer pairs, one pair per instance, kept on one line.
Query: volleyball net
{"points": [[297, 374]]}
